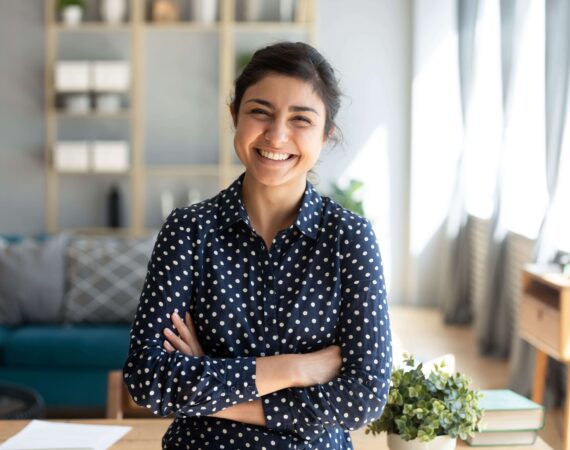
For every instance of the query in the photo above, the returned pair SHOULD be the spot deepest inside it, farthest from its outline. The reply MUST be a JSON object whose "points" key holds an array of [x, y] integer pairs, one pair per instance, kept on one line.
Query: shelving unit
{"points": [[229, 32]]}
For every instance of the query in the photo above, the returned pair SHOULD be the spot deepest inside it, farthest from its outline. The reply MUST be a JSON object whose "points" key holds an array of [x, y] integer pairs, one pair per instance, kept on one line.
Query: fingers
{"points": [[196, 342], [168, 346], [175, 342], [187, 340], [183, 330]]}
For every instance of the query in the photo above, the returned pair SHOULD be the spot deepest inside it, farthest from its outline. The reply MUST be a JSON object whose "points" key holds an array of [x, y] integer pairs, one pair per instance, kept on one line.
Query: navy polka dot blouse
{"points": [[320, 283]]}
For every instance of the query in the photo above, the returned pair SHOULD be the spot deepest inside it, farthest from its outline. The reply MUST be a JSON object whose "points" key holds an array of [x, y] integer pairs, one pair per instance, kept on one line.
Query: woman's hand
{"points": [[187, 340], [318, 367]]}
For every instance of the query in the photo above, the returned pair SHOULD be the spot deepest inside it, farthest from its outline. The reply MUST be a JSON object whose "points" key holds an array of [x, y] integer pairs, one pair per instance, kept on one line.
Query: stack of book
{"points": [[508, 419]]}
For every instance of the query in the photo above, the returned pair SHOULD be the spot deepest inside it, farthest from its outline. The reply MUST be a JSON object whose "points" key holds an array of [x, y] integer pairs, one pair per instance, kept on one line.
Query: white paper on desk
{"points": [[43, 435]]}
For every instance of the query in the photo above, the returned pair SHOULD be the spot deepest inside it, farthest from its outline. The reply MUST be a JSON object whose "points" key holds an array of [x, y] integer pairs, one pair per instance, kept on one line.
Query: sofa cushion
{"points": [[105, 277], [69, 346], [32, 280]]}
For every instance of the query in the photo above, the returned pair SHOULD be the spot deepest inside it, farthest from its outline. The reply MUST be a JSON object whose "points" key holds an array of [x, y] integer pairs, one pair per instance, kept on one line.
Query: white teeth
{"points": [[274, 156]]}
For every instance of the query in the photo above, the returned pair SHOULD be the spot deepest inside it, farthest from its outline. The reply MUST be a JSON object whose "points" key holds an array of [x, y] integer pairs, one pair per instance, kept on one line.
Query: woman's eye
{"points": [[302, 119], [258, 112]]}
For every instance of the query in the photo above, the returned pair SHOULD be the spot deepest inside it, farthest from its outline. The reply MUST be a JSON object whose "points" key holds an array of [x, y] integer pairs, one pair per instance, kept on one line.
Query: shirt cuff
{"points": [[240, 379], [277, 411]]}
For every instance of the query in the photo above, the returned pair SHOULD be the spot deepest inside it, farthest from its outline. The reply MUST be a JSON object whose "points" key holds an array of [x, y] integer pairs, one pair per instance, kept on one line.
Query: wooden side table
{"points": [[545, 324]]}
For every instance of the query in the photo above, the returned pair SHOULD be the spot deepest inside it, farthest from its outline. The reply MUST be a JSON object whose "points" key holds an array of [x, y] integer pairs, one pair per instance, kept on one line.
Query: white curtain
{"points": [[555, 223]]}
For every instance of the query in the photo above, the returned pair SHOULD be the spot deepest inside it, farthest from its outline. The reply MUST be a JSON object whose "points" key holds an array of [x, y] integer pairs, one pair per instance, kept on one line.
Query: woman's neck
{"points": [[271, 208]]}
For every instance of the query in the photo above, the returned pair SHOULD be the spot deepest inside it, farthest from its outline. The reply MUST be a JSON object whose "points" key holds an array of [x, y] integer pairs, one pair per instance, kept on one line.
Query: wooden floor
{"points": [[423, 333]]}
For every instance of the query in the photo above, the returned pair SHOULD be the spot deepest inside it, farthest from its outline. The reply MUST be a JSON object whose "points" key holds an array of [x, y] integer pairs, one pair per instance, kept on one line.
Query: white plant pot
{"points": [[204, 11], [72, 15], [395, 442], [251, 10], [113, 11]]}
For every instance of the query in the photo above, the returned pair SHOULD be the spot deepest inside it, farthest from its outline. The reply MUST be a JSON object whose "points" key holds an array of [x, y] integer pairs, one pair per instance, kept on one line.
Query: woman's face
{"points": [[279, 130]]}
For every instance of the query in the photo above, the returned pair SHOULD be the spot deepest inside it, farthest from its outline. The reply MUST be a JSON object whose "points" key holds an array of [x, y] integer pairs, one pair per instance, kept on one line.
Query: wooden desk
{"points": [[147, 434]]}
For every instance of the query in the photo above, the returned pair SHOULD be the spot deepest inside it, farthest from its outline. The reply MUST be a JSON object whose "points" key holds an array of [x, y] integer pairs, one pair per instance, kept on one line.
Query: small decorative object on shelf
{"points": [[113, 11], [107, 103], [71, 11], [71, 156], [251, 10], [114, 207], [110, 156], [427, 411], [165, 11], [286, 10], [110, 76], [72, 76], [204, 11], [76, 103]]}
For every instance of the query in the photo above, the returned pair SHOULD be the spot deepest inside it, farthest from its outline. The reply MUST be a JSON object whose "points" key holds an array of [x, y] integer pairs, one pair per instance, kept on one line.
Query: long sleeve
{"points": [[173, 382], [358, 395]]}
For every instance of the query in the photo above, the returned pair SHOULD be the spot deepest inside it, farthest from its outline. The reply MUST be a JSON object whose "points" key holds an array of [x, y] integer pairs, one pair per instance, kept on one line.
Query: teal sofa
{"points": [[67, 362]]}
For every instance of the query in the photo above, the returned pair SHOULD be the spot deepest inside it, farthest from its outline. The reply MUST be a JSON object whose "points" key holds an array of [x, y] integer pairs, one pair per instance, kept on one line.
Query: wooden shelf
{"points": [[125, 114], [136, 30], [205, 170], [270, 27], [193, 27], [122, 231], [92, 173], [92, 27]]}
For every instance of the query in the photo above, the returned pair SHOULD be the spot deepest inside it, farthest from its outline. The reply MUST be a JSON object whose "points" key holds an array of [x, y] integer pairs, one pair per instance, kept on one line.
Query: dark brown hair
{"points": [[298, 60]]}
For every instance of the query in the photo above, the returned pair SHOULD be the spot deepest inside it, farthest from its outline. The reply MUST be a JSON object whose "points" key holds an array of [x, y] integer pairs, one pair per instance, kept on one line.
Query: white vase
{"points": [[395, 442], [204, 11], [72, 15], [251, 10], [113, 11]]}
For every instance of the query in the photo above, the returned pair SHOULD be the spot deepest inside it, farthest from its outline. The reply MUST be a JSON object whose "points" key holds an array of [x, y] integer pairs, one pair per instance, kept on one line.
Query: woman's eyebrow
{"points": [[291, 108]]}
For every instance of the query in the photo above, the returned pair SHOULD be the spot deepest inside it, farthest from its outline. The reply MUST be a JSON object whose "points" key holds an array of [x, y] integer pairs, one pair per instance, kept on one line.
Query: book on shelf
{"points": [[505, 410], [503, 438]]}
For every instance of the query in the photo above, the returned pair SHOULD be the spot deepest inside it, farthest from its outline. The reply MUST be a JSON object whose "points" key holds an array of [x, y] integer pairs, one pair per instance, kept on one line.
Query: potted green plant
{"points": [[427, 411], [346, 197], [71, 11]]}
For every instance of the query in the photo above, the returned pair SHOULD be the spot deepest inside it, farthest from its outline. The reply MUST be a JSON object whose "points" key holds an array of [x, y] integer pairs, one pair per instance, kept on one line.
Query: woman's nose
{"points": [[277, 134]]}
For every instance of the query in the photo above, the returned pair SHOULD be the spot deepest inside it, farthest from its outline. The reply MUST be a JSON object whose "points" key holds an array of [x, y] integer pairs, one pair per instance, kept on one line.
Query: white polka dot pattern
{"points": [[320, 283]]}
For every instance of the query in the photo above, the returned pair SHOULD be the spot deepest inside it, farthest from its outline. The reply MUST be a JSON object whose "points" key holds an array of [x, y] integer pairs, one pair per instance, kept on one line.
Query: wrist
{"points": [[276, 372], [295, 370]]}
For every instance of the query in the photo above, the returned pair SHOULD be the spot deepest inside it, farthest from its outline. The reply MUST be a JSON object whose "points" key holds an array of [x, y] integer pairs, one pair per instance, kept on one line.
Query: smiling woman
{"points": [[263, 320]]}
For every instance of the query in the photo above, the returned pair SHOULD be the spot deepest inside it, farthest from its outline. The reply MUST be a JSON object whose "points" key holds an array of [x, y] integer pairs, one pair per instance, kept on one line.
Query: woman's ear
{"points": [[330, 134]]}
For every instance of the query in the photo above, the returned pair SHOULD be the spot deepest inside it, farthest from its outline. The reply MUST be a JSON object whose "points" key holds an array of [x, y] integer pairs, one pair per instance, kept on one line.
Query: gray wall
{"points": [[367, 41]]}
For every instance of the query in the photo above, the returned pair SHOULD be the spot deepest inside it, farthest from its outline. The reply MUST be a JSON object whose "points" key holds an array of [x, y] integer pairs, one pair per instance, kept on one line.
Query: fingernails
{"points": [[167, 331], [175, 315]]}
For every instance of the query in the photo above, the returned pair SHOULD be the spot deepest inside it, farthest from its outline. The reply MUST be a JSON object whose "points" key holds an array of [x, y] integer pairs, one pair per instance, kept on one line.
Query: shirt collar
{"points": [[231, 209]]}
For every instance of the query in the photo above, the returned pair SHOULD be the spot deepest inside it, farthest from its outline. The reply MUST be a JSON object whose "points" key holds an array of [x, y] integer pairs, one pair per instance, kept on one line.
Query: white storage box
{"points": [[110, 156], [111, 76], [71, 156], [72, 76]]}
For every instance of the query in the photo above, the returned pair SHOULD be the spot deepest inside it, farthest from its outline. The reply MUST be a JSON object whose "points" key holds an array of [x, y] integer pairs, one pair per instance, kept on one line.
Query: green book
{"points": [[503, 438], [505, 410]]}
